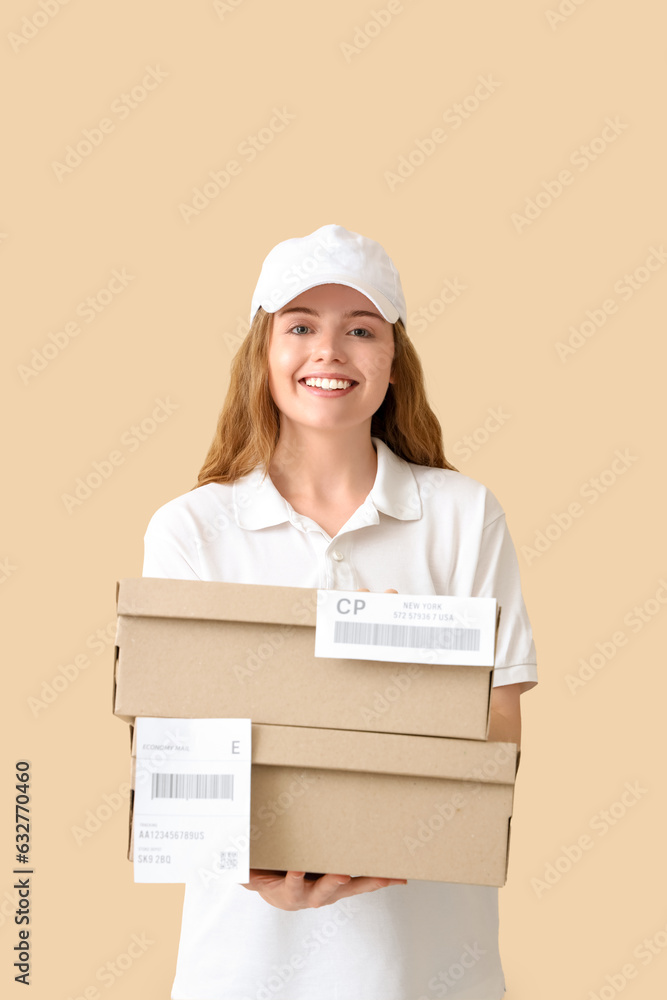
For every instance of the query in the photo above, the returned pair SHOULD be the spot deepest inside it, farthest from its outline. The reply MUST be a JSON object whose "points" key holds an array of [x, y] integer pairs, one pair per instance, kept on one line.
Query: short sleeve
{"points": [[497, 575], [169, 549]]}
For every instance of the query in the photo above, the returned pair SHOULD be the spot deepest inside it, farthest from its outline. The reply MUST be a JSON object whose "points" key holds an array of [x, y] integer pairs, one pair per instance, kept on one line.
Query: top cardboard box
{"points": [[199, 649]]}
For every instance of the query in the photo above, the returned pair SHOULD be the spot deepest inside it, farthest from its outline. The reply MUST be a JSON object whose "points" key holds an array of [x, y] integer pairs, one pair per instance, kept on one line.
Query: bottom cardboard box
{"points": [[380, 804]]}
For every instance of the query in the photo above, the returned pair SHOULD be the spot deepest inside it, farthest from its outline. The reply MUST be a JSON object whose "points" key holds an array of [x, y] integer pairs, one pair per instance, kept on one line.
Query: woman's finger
{"points": [[365, 590]]}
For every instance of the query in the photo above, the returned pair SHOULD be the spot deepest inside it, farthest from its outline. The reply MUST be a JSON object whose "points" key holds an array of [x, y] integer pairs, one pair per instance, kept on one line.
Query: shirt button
{"points": [[337, 555]]}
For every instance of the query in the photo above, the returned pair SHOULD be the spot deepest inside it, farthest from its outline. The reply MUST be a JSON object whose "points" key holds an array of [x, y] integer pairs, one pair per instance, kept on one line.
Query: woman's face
{"points": [[318, 335]]}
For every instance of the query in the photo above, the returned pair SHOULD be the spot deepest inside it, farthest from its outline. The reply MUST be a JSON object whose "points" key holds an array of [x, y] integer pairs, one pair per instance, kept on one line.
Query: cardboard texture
{"points": [[199, 649], [379, 804]]}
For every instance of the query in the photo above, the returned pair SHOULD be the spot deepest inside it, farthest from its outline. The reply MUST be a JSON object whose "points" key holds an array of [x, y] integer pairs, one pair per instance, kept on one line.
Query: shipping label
{"points": [[192, 799], [405, 628]]}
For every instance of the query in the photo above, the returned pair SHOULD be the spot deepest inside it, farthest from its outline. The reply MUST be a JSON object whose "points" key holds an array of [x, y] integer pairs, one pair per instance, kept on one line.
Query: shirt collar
{"points": [[258, 504], [395, 491]]}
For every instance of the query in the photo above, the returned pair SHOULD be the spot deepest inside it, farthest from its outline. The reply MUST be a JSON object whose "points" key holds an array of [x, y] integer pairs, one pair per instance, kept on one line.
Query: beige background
{"points": [[170, 335]]}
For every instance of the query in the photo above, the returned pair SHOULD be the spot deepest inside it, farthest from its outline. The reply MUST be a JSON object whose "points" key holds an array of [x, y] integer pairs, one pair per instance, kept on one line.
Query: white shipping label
{"points": [[192, 800], [405, 628]]}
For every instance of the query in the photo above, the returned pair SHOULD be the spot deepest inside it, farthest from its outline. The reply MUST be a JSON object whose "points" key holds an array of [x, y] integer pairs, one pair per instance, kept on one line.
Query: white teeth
{"points": [[328, 383]]}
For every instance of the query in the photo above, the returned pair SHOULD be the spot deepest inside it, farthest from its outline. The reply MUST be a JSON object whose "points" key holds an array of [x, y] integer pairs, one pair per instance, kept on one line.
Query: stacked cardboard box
{"points": [[358, 766]]}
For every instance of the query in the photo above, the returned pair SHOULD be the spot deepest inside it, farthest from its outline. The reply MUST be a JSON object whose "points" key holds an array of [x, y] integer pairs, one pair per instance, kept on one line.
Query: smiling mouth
{"points": [[328, 387], [328, 384]]}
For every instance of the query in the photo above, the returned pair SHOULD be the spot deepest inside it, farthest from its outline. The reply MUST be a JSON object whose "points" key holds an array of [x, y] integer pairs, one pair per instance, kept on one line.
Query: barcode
{"points": [[192, 786], [421, 636], [228, 859]]}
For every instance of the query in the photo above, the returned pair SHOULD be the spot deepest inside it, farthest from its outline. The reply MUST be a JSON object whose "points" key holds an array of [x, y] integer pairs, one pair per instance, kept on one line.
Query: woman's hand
{"points": [[293, 891]]}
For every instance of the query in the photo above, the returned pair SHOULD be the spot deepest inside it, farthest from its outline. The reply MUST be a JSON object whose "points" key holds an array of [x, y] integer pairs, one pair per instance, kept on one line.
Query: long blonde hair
{"points": [[249, 423]]}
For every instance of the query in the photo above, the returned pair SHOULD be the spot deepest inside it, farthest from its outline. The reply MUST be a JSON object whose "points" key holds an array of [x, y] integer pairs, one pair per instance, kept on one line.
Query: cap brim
{"points": [[389, 312]]}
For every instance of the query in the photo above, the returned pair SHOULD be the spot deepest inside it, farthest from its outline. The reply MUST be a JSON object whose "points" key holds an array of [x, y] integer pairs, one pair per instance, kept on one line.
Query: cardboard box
{"points": [[395, 806], [199, 649]]}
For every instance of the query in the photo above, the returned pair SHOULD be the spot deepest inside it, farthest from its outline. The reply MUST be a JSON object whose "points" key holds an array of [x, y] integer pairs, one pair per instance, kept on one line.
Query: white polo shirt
{"points": [[421, 531]]}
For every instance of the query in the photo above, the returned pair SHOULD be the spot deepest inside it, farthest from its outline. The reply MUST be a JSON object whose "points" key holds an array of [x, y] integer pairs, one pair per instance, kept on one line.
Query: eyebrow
{"points": [[347, 315]]}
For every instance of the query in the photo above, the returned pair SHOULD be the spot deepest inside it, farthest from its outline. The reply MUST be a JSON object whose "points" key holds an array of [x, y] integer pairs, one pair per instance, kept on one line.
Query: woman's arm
{"points": [[505, 724]]}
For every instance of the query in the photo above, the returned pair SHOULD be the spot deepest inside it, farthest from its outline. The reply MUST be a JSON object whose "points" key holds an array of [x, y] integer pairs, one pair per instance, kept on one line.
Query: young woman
{"points": [[327, 471]]}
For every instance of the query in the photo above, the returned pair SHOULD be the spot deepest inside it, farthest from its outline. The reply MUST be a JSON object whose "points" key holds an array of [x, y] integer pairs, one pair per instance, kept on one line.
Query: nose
{"points": [[329, 346]]}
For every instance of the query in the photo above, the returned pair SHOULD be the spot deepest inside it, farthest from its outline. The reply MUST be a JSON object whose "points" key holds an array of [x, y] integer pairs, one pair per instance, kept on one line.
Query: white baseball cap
{"points": [[330, 254]]}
